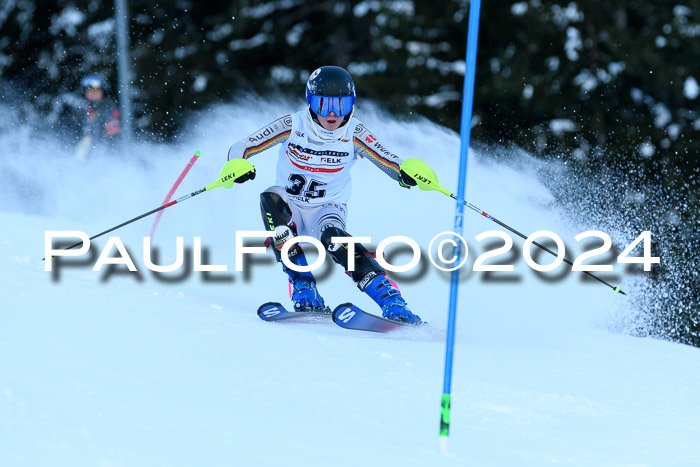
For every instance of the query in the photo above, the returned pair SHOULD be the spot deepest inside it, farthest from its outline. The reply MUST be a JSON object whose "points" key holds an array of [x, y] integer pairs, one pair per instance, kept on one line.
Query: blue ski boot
{"points": [[304, 293], [390, 300]]}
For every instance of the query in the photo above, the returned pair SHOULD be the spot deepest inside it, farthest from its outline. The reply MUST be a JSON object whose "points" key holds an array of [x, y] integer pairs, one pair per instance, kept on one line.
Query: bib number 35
{"points": [[299, 187]]}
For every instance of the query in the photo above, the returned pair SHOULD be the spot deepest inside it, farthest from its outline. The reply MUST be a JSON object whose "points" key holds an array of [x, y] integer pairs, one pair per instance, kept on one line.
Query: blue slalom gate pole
{"points": [[465, 132]]}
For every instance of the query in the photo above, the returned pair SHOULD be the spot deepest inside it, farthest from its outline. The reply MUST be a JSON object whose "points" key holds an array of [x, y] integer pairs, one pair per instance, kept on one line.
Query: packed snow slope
{"points": [[120, 368]]}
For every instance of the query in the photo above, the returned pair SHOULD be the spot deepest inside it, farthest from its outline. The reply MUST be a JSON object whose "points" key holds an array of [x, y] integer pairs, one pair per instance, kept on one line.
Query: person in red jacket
{"points": [[102, 117]]}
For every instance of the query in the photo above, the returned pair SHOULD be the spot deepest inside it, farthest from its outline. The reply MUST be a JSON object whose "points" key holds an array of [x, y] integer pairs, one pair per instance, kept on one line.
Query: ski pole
{"points": [[427, 181], [179, 180], [232, 170]]}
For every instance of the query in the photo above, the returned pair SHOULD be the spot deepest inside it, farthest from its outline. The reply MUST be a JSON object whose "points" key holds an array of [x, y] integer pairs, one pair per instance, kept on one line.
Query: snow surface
{"points": [[126, 369]]}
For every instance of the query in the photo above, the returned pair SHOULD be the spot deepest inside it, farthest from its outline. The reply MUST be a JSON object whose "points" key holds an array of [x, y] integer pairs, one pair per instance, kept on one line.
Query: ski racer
{"points": [[319, 146]]}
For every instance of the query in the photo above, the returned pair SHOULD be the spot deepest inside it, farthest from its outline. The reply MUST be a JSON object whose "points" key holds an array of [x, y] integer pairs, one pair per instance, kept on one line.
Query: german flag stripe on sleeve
{"points": [[372, 153], [265, 144]]}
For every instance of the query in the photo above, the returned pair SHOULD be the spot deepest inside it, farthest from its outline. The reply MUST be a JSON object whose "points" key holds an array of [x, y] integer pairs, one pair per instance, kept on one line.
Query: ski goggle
{"points": [[322, 105]]}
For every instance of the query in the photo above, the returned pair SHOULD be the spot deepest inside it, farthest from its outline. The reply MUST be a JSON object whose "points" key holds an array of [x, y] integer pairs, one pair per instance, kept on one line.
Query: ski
{"points": [[349, 316], [274, 311]]}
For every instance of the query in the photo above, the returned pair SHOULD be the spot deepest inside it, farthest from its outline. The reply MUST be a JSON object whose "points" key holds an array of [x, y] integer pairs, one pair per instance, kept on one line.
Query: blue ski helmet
{"points": [[330, 89], [94, 81]]}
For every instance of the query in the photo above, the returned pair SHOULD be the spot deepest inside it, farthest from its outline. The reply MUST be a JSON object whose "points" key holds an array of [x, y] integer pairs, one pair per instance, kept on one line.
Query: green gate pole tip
{"points": [[197, 153], [445, 415], [617, 289], [444, 421]]}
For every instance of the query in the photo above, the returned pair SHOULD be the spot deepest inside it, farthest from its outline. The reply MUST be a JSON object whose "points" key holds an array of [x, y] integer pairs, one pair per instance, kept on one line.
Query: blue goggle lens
{"points": [[323, 105]]}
